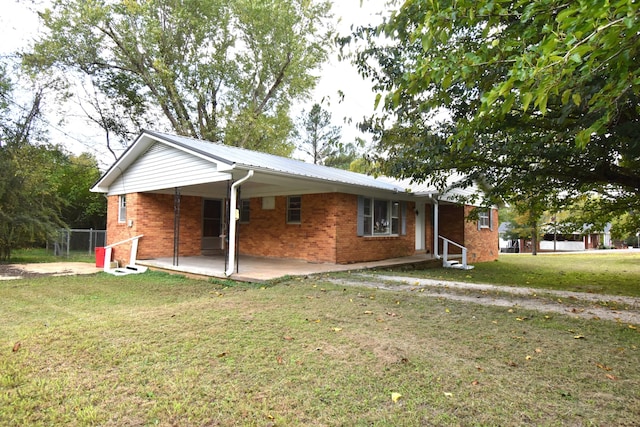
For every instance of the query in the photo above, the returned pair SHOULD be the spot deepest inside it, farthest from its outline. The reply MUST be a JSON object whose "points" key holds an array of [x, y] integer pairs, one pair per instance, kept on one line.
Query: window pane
{"points": [[483, 218], [122, 208], [367, 207], [294, 208], [367, 225], [245, 210], [395, 209], [381, 217]]}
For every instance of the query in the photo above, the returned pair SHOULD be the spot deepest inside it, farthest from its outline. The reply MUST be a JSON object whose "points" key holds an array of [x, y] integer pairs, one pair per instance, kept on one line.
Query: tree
{"points": [[343, 156], [319, 139], [219, 70], [541, 98], [74, 178]]}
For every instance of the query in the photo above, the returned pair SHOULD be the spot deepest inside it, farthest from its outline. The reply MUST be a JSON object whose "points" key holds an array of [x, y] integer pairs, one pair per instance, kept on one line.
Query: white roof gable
{"points": [[188, 161]]}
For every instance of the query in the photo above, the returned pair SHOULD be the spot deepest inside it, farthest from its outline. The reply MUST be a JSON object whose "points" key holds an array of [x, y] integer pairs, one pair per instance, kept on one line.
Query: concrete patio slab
{"points": [[260, 269]]}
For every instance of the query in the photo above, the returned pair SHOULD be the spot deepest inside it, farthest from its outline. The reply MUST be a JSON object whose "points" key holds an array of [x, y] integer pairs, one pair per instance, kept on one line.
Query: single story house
{"points": [[188, 198]]}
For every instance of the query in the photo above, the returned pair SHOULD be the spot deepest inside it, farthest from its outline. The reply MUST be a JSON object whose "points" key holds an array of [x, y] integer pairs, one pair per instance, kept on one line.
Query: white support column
{"points": [[435, 227], [233, 218]]}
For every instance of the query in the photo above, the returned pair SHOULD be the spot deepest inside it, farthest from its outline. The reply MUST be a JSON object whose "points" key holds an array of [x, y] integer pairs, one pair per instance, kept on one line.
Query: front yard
{"points": [[159, 349]]}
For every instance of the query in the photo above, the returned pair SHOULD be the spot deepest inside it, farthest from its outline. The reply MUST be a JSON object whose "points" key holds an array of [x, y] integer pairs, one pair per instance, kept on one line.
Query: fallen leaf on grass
{"points": [[578, 337], [603, 367], [337, 329], [223, 354], [632, 327], [475, 382], [279, 360], [17, 346], [538, 350], [447, 394], [612, 377], [288, 338], [368, 312], [395, 396], [528, 357], [391, 314]]}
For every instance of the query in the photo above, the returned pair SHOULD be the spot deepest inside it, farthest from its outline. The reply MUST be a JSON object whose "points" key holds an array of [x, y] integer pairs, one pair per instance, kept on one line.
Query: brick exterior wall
{"points": [[353, 248], [327, 231], [451, 225], [153, 216], [482, 245], [314, 239]]}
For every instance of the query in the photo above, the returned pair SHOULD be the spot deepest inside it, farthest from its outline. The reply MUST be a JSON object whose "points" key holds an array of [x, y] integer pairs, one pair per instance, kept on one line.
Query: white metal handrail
{"points": [[445, 252], [132, 256]]}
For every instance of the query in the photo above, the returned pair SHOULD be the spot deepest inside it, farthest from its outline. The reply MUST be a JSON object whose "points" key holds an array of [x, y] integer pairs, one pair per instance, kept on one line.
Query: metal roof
{"points": [[248, 159]]}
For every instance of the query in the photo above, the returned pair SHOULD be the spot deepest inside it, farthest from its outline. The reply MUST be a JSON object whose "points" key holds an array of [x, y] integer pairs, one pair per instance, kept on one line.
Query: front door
{"points": [[212, 226]]}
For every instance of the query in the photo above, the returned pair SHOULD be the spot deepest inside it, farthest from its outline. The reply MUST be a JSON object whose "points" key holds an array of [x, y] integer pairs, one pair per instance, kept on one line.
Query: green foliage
{"points": [[319, 139], [29, 204], [215, 70], [42, 188], [73, 178], [540, 98]]}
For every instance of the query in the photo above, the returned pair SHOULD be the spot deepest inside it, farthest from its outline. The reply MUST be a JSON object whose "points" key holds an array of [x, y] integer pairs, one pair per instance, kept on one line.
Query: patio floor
{"points": [[260, 269]]}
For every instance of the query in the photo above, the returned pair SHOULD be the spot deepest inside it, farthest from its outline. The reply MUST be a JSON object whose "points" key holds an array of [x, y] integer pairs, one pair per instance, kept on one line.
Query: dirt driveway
{"points": [[22, 271], [577, 304]]}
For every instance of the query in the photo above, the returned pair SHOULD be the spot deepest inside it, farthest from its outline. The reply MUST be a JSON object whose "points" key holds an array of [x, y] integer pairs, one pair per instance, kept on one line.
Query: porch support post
{"points": [[435, 227], [176, 227], [233, 218]]}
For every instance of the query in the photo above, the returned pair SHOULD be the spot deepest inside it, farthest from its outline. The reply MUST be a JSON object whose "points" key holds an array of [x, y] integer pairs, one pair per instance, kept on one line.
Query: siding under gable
{"points": [[162, 167]]}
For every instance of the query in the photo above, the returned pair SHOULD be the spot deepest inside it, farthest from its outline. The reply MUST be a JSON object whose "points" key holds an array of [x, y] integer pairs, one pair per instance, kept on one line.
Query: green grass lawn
{"points": [[613, 273], [155, 349], [39, 255]]}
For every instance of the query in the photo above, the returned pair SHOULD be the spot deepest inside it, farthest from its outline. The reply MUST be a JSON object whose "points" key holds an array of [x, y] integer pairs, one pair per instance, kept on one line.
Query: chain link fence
{"points": [[78, 241]]}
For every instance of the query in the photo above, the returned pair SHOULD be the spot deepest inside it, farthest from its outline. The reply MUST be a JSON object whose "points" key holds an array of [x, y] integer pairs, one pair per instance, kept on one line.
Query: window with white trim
{"points": [[379, 217], [294, 209], [484, 219], [122, 208]]}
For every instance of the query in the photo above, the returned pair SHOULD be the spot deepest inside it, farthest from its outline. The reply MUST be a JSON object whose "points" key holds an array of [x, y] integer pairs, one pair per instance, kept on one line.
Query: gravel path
{"points": [[578, 304]]}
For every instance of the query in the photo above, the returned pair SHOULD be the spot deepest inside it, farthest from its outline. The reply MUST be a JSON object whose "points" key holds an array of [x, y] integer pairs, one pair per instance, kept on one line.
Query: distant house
{"points": [[191, 198], [557, 242]]}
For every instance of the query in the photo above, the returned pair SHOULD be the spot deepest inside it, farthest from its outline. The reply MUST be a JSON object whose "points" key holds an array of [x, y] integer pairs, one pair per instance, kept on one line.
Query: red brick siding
{"points": [[327, 232], [482, 245], [314, 239], [352, 248], [152, 215], [451, 225]]}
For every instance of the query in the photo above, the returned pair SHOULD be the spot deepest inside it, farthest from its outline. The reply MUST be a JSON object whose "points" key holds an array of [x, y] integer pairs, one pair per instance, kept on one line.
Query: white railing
{"points": [[132, 256], [445, 252]]}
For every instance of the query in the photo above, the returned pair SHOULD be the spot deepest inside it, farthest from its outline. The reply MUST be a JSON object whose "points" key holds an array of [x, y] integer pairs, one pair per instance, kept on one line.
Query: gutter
{"points": [[233, 218]]}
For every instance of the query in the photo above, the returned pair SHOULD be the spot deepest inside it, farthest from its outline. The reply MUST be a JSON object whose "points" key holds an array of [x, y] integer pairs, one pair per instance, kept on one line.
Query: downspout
{"points": [[233, 218], [436, 217]]}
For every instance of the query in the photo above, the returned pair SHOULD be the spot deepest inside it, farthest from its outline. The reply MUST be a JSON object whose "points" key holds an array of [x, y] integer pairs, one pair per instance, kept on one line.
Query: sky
{"points": [[19, 23]]}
